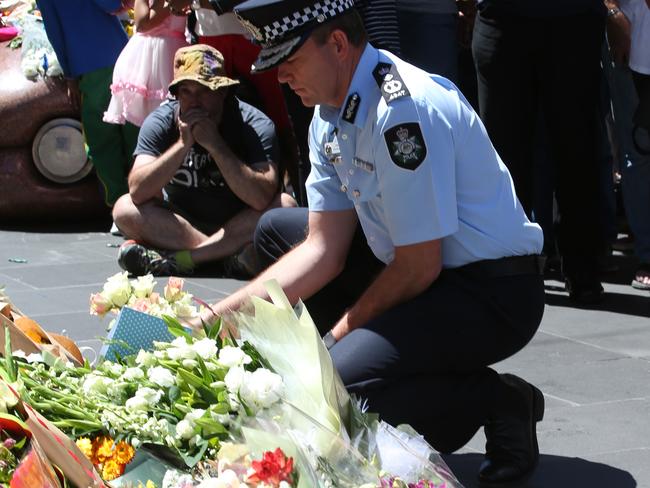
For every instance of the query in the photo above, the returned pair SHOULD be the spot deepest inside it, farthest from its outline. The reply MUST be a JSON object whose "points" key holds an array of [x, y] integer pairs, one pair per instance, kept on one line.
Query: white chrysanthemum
{"points": [[161, 376], [118, 289], [137, 403], [230, 357]]}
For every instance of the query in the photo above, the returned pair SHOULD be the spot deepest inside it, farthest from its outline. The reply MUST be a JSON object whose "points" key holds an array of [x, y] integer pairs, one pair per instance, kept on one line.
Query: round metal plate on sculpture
{"points": [[54, 181], [59, 151]]}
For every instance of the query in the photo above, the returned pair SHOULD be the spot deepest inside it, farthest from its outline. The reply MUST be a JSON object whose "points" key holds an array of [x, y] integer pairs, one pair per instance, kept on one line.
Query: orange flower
{"points": [[103, 447], [112, 469], [124, 452], [86, 446]]}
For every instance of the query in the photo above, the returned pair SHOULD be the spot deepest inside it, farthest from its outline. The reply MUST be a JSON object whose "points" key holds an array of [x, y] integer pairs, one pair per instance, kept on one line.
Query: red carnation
{"points": [[273, 468]]}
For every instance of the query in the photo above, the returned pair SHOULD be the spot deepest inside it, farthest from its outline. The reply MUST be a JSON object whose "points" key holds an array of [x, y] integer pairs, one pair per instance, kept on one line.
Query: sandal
{"points": [[643, 269]]}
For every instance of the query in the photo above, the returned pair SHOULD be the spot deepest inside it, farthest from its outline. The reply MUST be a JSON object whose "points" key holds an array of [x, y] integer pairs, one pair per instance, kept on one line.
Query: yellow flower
{"points": [[150, 484], [86, 446], [124, 452], [103, 449], [111, 470]]}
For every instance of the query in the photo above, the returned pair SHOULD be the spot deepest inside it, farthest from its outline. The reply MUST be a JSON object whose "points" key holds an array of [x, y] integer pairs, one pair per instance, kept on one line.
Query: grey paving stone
{"points": [[63, 276], [592, 364]]}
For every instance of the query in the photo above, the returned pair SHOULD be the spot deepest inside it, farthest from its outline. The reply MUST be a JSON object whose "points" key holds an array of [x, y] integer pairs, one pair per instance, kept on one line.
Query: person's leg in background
{"points": [[429, 40], [107, 146], [570, 78], [508, 96], [634, 166]]}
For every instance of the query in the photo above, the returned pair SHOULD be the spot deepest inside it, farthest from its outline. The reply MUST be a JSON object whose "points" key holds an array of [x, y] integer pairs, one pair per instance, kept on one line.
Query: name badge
{"points": [[364, 165], [332, 148]]}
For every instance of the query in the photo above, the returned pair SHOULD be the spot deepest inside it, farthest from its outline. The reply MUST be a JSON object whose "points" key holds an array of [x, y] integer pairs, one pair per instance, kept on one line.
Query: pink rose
{"points": [[99, 304], [142, 305], [174, 289]]}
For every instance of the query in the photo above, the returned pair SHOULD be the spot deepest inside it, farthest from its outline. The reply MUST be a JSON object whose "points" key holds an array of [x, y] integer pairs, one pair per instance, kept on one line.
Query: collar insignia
{"points": [[351, 108]]}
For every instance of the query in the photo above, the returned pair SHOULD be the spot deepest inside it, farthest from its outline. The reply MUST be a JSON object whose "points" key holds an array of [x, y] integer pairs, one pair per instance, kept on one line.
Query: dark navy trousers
{"points": [[426, 361]]}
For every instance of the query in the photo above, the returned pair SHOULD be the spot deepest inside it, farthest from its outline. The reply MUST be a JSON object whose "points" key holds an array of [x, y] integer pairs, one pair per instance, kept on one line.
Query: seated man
{"points": [[204, 173]]}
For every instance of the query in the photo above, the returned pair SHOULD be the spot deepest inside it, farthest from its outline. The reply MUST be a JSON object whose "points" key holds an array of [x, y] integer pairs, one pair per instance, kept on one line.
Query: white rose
{"points": [[180, 350], [118, 289], [230, 356], [234, 379], [206, 348], [145, 358], [183, 308], [143, 286], [190, 364], [132, 374], [161, 376], [261, 388], [184, 430]]}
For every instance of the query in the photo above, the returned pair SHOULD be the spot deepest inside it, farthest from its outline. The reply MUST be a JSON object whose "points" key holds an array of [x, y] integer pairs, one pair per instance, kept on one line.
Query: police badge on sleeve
{"points": [[406, 145]]}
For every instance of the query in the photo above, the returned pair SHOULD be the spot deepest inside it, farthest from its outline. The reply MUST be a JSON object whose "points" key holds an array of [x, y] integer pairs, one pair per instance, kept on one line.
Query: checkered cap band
{"points": [[321, 10]]}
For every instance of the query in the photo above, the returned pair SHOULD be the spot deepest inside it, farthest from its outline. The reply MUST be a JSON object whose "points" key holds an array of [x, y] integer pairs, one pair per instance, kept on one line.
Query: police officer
{"points": [[445, 277]]}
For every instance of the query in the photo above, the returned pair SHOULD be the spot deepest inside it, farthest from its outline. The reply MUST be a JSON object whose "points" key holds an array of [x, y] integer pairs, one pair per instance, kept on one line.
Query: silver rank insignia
{"points": [[390, 82]]}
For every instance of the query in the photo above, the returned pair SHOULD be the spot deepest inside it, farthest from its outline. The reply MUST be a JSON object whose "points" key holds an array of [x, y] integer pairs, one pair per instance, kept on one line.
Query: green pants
{"points": [[110, 146]]}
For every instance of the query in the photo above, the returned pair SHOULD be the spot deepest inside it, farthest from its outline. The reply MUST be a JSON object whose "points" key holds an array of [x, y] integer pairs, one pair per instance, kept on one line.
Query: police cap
{"points": [[282, 26]]}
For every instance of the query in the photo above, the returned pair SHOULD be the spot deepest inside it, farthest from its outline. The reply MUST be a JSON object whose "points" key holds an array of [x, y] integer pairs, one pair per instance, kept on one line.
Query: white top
{"points": [[639, 14], [210, 24]]}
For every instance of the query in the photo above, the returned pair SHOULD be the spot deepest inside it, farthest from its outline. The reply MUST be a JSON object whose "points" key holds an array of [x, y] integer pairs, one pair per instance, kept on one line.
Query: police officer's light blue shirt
{"points": [[461, 192]]}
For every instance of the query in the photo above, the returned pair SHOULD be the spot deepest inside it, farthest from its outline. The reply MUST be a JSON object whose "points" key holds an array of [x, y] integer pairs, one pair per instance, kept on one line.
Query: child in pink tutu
{"points": [[145, 66]]}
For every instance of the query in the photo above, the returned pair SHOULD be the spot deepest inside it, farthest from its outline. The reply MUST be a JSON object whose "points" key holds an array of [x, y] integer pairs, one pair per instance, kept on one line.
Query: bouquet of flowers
{"points": [[185, 396], [139, 294]]}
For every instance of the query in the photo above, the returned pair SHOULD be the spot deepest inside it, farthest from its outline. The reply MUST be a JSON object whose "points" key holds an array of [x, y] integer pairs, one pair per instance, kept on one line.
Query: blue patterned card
{"points": [[138, 330]]}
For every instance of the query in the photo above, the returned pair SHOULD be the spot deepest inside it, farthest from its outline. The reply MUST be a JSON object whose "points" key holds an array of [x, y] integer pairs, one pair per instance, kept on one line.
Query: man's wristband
{"points": [[329, 340]]}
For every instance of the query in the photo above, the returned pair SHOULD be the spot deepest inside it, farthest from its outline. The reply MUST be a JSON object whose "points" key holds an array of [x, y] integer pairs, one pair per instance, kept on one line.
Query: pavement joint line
{"points": [[621, 400], [584, 343], [564, 400], [33, 288], [618, 451], [53, 314], [51, 288]]}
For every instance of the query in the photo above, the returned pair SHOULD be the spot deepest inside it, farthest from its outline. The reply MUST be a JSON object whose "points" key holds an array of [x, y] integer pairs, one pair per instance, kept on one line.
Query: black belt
{"points": [[510, 266]]}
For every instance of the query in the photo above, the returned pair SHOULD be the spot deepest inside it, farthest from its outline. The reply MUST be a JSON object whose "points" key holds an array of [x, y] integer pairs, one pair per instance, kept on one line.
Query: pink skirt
{"points": [[141, 76]]}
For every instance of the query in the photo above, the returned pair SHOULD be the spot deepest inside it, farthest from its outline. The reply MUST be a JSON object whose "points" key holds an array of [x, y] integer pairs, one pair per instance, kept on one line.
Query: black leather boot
{"points": [[511, 451]]}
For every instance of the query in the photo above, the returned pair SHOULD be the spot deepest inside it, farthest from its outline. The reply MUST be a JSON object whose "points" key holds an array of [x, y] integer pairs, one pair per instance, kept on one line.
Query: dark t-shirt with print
{"points": [[198, 189]]}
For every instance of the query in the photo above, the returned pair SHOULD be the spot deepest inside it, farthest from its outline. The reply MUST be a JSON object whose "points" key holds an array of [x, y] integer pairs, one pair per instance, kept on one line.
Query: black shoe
{"points": [[139, 261], [581, 280], [511, 450]]}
